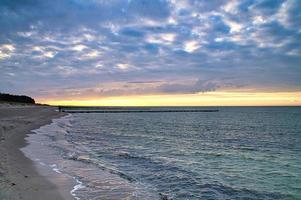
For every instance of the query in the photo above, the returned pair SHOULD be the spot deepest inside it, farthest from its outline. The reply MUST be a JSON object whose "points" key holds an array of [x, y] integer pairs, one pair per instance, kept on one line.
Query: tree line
{"points": [[16, 98]]}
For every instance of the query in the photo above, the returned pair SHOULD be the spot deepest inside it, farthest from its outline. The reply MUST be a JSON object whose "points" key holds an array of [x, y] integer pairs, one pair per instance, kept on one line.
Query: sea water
{"points": [[236, 153]]}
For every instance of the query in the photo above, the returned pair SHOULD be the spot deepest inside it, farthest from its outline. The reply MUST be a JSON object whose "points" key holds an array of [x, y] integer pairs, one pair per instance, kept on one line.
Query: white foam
{"points": [[55, 168], [76, 187]]}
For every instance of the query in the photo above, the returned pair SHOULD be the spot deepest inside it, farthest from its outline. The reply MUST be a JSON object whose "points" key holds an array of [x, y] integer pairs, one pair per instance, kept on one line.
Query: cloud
{"points": [[289, 14], [191, 46], [6, 50], [123, 66], [184, 46], [234, 26], [79, 47], [231, 7], [163, 38]]}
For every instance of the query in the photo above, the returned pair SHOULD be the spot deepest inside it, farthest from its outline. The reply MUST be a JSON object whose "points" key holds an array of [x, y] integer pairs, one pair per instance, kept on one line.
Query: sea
{"points": [[235, 153]]}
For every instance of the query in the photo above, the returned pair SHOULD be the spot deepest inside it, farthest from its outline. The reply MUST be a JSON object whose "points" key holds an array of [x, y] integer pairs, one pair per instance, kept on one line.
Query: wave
{"points": [[99, 151], [88, 159], [51, 148]]}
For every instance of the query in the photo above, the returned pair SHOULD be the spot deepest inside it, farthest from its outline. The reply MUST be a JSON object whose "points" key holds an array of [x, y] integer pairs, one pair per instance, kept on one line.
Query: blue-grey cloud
{"points": [[106, 48]]}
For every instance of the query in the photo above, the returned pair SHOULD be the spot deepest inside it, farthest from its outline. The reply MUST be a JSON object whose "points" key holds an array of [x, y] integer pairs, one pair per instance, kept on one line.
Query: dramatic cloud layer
{"points": [[99, 48]]}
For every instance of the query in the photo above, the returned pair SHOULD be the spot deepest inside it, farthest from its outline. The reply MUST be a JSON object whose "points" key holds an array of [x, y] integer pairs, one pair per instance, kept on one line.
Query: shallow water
{"points": [[236, 153]]}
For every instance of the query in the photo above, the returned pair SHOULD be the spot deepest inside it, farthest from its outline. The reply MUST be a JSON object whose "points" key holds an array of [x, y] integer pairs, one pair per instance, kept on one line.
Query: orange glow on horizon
{"points": [[201, 99]]}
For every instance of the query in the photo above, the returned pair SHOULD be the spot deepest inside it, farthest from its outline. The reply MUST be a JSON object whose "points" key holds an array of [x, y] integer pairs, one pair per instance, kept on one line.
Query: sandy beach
{"points": [[20, 177]]}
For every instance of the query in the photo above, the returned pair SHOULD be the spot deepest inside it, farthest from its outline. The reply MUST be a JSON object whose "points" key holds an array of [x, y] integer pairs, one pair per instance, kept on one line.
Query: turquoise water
{"points": [[236, 153]]}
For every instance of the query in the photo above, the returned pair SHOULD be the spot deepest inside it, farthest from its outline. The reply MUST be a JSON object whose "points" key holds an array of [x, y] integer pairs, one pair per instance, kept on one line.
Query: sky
{"points": [[152, 52]]}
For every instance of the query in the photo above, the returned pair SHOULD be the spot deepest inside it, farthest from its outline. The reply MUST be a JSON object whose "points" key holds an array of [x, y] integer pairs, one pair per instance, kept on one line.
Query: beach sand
{"points": [[21, 178]]}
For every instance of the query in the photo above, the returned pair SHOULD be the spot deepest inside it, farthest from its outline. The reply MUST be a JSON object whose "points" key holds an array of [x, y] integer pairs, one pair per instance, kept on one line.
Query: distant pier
{"points": [[130, 110]]}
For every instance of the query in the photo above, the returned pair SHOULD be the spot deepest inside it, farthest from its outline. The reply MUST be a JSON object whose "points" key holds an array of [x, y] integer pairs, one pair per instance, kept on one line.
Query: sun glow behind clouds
{"points": [[202, 99]]}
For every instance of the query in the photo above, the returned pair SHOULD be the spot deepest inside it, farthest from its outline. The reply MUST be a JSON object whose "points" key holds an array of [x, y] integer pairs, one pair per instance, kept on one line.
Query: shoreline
{"points": [[20, 177]]}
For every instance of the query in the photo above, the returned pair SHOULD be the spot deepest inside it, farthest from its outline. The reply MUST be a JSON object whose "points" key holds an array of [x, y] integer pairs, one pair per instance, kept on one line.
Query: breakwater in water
{"points": [[76, 109]]}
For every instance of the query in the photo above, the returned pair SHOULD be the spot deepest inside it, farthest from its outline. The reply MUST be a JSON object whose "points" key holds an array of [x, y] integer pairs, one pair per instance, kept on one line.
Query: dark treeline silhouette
{"points": [[16, 98]]}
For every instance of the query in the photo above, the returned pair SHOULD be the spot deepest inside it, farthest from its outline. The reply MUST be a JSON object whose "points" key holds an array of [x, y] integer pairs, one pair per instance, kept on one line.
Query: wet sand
{"points": [[20, 177]]}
